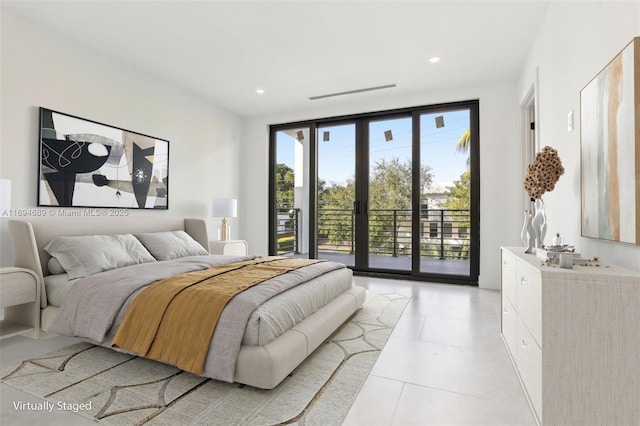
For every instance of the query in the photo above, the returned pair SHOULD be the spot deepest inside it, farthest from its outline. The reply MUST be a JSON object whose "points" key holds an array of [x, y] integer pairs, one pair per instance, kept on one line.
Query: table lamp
{"points": [[224, 208]]}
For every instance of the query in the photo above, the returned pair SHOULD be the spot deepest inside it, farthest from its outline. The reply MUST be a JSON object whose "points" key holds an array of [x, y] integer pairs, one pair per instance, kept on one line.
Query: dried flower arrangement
{"points": [[543, 173]]}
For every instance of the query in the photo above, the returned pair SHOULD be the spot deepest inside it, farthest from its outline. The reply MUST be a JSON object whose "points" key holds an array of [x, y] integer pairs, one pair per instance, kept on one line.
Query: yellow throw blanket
{"points": [[173, 319]]}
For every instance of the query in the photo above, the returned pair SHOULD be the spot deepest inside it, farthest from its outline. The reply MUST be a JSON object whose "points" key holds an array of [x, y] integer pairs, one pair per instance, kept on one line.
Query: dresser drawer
{"points": [[509, 326], [529, 362], [509, 277], [529, 299]]}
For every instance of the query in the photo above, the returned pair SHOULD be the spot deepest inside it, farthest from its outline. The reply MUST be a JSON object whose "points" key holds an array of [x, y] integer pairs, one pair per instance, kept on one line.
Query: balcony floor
{"points": [[400, 263]]}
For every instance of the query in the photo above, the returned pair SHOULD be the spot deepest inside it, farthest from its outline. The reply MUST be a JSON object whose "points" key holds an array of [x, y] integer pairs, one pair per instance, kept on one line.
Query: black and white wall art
{"points": [[87, 164]]}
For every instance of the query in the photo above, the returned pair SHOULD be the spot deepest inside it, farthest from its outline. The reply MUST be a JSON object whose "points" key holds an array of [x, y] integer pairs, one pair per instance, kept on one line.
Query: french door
{"points": [[392, 193]]}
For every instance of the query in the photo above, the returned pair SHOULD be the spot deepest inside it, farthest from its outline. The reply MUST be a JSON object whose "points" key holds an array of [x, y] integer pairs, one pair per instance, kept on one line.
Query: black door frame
{"points": [[362, 184]]}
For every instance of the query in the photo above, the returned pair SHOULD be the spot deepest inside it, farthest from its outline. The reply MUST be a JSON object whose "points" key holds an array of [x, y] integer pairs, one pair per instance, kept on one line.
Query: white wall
{"points": [[576, 40], [499, 220], [40, 68]]}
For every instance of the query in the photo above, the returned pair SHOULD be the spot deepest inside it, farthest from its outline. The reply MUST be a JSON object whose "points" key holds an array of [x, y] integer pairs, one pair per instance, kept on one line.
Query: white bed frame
{"points": [[260, 366]]}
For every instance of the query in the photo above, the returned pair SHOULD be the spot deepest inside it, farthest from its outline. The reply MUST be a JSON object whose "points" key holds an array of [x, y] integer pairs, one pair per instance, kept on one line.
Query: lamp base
{"points": [[224, 231]]}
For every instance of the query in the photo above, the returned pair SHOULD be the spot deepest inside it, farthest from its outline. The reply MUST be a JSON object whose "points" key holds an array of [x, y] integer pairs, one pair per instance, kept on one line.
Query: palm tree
{"points": [[464, 143]]}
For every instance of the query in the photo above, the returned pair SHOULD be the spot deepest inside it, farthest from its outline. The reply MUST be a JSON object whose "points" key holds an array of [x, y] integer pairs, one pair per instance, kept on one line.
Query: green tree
{"points": [[459, 200], [284, 186], [460, 193], [284, 201], [390, 195], [464, 143], [390, 188], [390, 185], [335, 213]]}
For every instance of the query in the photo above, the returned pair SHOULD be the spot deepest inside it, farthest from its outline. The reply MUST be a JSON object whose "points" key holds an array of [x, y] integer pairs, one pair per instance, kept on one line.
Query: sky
{"points": [[336, 157]]}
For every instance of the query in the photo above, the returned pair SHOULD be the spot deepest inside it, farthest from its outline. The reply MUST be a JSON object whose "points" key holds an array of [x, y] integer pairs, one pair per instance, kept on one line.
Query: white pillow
{"points": [[89, 254], [171, 245]]}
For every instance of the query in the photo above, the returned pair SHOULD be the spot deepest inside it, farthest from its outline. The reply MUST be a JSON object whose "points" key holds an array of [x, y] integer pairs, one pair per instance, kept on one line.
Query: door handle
{"points": [[356, 207]]}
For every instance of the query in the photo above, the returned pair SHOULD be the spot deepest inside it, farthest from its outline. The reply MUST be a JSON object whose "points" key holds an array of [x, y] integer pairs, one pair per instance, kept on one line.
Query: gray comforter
{"points": [[94, 306]]}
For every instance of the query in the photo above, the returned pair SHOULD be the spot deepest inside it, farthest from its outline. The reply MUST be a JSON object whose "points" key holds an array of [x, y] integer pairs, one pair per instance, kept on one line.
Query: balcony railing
{"points": [[444, 233], [287, 231]]}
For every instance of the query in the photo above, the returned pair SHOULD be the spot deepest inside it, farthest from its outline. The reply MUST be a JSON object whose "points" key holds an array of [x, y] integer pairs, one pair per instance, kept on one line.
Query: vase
{"points": [[539, 223], [527, 235]]}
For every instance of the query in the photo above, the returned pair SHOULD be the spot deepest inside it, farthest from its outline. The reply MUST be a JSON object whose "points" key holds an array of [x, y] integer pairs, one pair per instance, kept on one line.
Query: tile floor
{"points": [[445, 364]]}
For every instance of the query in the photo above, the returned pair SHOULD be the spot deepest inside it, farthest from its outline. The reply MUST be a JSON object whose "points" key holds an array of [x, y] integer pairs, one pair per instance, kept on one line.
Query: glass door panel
{"points": [[336, 225], [445, 206], [292, 200], [389, 194]]}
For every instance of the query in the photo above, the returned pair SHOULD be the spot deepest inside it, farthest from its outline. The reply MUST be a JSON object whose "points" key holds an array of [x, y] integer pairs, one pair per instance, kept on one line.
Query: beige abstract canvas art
{"points": [[610, 150]]}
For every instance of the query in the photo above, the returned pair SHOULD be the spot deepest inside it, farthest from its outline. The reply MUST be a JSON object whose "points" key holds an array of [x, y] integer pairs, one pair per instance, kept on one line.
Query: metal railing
{"points": [[444, 233], [336, 230], [287, 230]]}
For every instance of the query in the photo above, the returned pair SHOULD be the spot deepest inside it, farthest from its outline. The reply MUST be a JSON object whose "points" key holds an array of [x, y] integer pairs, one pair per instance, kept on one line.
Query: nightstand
{"points": [[229, 247], [20, 299]]}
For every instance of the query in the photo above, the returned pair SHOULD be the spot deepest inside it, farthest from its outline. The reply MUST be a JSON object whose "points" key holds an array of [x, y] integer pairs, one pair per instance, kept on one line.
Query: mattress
{"points": [[268, 321], [282, 312]]}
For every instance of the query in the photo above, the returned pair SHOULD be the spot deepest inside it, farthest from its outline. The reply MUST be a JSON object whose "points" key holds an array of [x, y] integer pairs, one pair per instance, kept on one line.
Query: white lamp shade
{"points": [[225, 207], [5, 197]]}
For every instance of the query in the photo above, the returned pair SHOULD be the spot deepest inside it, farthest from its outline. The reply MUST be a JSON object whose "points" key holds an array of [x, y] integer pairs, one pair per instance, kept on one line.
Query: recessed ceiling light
{"points": [[434, 59], [260, 91]]}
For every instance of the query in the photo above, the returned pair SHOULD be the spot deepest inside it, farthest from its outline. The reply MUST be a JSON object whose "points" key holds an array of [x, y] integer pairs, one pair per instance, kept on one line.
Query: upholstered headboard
{"points": [[30, 237]]}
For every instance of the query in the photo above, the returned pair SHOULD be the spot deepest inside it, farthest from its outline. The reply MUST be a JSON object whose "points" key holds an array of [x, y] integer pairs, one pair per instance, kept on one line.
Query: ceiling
{"points": [[224, 50]]}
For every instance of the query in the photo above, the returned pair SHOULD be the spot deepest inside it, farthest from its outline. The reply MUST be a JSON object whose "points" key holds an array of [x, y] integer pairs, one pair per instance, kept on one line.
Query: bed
{"points": [[261, 362]]}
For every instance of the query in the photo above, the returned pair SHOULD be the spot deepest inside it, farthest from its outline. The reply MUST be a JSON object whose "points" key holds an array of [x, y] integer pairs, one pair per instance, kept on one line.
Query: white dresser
{"points": [[574, 338]]}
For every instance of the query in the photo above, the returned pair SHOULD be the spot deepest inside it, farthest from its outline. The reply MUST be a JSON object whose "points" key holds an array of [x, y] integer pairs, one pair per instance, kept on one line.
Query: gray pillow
{"points": [[86, 255], [55, 267], [171, 245], [57, 287]]}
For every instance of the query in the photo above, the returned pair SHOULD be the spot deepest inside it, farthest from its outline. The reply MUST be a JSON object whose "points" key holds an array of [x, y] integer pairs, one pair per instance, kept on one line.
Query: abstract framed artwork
{"points": [[610, 150], [83, 163]]}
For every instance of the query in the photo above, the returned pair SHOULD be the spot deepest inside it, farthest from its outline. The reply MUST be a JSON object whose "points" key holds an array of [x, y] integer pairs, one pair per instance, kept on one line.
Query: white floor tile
{"points": [[472, 310], [409, 326], [376, 403], [462, 332], [427, 406], [448, 367], [448, 352]]}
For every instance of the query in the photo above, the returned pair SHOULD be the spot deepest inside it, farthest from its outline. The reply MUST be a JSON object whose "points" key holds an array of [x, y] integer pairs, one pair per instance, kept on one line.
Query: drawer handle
{"points": [[523, 280]]}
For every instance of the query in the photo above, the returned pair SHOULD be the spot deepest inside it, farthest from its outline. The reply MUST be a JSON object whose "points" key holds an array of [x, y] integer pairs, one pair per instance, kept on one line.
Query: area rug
{"points": [[120, 389]]}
